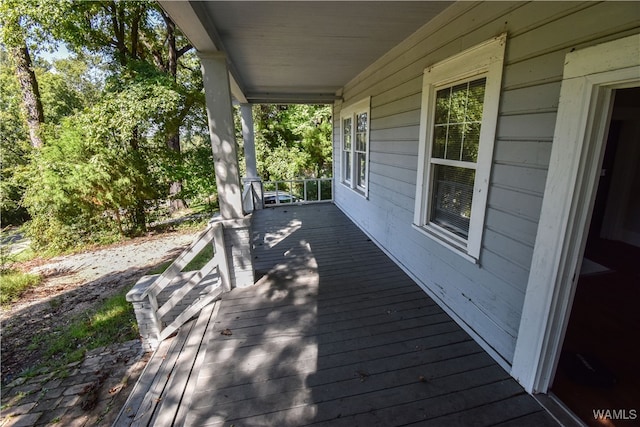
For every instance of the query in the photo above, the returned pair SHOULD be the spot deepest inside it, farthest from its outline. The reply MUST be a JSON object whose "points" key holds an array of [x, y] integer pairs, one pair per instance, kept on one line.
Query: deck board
{"points": [[334, 333]]}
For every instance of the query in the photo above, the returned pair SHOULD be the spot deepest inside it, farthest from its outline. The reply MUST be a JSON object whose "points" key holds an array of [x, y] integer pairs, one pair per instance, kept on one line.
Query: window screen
{"points": [[456, 138], [355, 122], [452, 195], [361, 148], [346, 148]]}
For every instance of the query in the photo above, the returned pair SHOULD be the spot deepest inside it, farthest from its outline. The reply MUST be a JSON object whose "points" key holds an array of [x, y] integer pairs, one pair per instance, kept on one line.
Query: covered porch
{"points": [[333, 333]]}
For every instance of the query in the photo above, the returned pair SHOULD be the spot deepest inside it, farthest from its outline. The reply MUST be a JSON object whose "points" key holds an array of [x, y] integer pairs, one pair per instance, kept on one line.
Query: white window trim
{"points": [[362, 106], [343, 151], [483, 60], [590, 77]]}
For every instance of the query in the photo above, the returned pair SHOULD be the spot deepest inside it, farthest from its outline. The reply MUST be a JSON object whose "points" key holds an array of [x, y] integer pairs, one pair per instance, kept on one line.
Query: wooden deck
{"points": [[335, 334]]}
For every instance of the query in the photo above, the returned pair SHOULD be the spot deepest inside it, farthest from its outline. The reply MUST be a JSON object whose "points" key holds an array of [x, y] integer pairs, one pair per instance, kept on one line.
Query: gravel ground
{"points": [[73, 284]]}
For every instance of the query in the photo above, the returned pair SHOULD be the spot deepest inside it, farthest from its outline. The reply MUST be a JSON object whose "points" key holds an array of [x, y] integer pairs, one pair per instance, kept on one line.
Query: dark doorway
{"points": [[599, 368]]}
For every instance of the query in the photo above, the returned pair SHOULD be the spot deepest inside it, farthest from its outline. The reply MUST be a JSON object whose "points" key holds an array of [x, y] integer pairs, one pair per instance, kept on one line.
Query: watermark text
{"points": [[615, 414]]}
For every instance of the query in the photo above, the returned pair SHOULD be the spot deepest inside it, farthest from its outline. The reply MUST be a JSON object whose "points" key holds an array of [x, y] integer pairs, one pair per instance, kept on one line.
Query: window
{"points": [[457, 130], [347, 154], [355, 121]]}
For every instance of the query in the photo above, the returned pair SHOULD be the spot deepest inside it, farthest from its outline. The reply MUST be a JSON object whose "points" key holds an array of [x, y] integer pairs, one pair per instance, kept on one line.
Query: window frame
{"points": [[347, 167], [352, 112], [484, 60]]}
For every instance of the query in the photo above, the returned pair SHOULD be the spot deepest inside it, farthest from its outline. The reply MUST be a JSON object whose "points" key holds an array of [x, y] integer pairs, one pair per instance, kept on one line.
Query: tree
{"points": [[14, 145], [87, 184], [113, 146], [65, 90], [13, 36], [293, 141], [137, 135], [169, 63], [62, 91], [141, 31]]}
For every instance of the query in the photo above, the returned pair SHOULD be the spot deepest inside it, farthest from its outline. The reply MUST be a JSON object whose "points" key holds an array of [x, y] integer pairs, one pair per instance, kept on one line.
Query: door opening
{"points": [[597, 375]]}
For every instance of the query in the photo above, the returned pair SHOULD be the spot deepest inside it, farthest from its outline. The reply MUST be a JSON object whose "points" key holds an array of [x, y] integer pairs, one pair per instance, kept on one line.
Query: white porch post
{"points": [[246, 113], [237, 227], [252, 178], [215, 77]]}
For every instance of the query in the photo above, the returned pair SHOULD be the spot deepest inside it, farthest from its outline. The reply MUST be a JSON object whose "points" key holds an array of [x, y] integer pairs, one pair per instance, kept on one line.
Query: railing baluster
{"points": [[291, 184], [145, 293], [220, 253]]}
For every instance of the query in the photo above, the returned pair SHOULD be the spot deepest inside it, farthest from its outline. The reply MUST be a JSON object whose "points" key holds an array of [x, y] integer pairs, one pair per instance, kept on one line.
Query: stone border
{"points": [[91, 394]]}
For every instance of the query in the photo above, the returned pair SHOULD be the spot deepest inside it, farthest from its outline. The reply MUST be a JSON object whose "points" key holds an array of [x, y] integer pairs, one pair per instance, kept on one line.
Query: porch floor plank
{"points": [[145, 397], [334, 333], [175, 389]]}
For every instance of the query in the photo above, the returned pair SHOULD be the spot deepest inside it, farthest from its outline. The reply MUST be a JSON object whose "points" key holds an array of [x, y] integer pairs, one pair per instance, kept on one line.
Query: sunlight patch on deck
{"points": [[273, 238]]}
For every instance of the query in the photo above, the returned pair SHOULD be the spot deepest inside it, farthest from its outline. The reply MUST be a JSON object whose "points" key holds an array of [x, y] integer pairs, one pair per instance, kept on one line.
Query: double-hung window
{"points": [[460, 98], [355, 122]]}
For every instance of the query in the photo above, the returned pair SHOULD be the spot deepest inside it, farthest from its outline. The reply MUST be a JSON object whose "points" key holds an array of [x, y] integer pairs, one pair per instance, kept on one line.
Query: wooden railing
{"points": [[300, 191], [213, 278]]}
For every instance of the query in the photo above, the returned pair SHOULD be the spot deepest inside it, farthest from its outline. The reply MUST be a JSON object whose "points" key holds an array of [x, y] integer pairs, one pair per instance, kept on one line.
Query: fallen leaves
{"points": [[362, 375]]}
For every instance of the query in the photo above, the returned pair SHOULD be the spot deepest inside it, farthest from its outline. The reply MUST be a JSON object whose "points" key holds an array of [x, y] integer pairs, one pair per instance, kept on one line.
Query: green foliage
{"points": [[458, 116], [193, 167], [65, 88], [33, 20], [68, 182], [14, 283], [293, 141], [85, 186], [60, 98], [125, 120], [108, 120], [200, 260], [24, 255], [14, 145]]}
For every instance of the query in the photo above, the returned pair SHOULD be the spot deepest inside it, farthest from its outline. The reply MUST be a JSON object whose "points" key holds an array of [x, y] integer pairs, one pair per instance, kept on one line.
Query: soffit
{"points": [[298, 51]]}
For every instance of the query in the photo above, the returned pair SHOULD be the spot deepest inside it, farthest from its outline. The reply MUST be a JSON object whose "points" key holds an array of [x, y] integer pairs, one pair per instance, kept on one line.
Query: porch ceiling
{"points": [[298, 51]]}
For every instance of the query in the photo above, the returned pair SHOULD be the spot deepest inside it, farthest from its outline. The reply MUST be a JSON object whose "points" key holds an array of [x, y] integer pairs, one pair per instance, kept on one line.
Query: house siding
{"points": [[486, 297]]}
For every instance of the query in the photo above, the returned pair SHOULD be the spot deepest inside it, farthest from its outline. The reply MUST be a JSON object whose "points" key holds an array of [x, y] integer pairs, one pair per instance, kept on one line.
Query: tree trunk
{"points": [[174, 140], [139, 215], [176, 203], [135, 31], [173, 53], [30, 94], [117, 16]]}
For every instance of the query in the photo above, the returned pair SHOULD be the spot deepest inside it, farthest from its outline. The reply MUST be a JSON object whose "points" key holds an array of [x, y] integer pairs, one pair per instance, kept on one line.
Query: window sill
{"points": [[356, 190], [446, 242]]}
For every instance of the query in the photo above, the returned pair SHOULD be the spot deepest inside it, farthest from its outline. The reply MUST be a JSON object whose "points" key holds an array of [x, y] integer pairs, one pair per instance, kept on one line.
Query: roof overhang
{"points": [[297, 51]]}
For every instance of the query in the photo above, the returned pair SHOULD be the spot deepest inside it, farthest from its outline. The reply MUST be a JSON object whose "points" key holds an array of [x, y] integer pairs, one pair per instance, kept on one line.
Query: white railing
{"points": [[299, 191], [212, 280]]}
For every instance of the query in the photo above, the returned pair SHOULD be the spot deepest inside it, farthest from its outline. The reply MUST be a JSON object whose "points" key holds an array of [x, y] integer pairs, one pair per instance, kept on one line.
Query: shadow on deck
{"points": [[333, 333]]}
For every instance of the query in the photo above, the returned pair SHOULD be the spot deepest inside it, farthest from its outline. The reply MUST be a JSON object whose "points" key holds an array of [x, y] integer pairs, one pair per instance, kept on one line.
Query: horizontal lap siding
{"points": [[487, 297]]}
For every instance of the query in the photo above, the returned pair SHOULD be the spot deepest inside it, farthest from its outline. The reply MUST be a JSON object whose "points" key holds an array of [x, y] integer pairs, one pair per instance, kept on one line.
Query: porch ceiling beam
{"points": [[292, 98], [202, 36], [236, 91]]}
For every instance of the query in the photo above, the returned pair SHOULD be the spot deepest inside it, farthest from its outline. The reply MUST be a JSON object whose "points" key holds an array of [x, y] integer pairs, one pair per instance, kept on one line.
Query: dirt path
{"points": [[73, 284]]}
